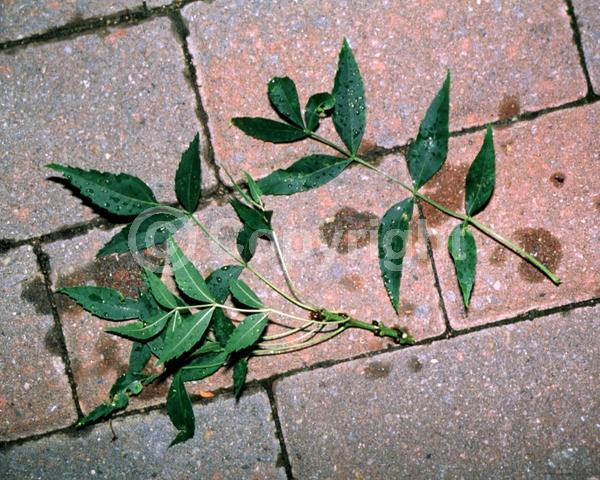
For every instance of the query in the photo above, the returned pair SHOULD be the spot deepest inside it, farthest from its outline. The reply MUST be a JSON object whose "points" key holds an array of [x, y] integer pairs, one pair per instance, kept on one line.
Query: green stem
{"points": [[300, 346], [460, 216]]}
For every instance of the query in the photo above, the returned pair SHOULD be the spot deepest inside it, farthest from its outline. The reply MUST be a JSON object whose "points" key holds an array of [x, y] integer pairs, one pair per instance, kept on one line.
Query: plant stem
{"points": [[460, 216], [301, 346], [286, 274]]}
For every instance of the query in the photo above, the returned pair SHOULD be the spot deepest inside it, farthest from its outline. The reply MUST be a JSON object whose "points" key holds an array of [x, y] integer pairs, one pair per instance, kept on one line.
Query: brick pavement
{"points": [[109, 85]]}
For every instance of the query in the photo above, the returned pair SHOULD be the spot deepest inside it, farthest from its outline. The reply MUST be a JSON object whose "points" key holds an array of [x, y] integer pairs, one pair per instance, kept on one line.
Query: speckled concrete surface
{"points": [[497, 52], [521, 401], [220, 449], [588, 19], [22, 18], [35, 395], [546, 199], [124, 106]]}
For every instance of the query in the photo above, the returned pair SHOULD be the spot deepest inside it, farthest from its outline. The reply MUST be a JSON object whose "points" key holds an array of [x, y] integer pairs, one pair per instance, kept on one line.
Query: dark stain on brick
{"points": [[34, 292], [509, 107], [352, 282], [498, 256], [407, 308], [350, 230], [414, 365], [542, 245], [446, 187], [120, 272], [52, 341], [377, 370], [558, 179], [107, 347], [597, 203]]}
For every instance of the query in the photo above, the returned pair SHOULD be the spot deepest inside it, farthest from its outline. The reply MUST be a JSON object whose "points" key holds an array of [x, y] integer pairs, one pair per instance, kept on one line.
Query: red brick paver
{"points": [[497, 52], [588, 20]]}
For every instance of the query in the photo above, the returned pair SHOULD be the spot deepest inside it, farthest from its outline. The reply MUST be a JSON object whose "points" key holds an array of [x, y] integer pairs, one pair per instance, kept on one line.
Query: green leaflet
{"points": [[179, 408], [187, 277], [152, 227], [160, 291], [203, 366], [246, 242], [268, 130], [258, 220], [481, 176], [240, 370], [308, 172], [349, 116], [284, 98], [218, 284], [246, 333], [428, 153], [253, 188], [392, 239], [142, 330], [103, 302], [463, 251], [120, 194], [317, 105], [186, 334], [188, 179], [138, 357], [129, 383], [104, 410], [244, 294]]}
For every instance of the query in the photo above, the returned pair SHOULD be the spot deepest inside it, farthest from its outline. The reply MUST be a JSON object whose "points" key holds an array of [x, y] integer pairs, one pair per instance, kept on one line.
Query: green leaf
{"points": [[189, 332], [284, 98], [129, 383], [188, 179], [240, 370], [138, 357], [244, 294], [247, 333], [218, 284], [160, 291], [187, 277], [428, 153], [152, 227], [268, 130], [203, 366], [308, 172], [104, 410], [103, 302], [392, 240], [349, 116], [246, 243], [142, 330], [179, 408], [481, 176], [463, 251], [317, 105], [253, 188], [120, 194], [258, 220]]}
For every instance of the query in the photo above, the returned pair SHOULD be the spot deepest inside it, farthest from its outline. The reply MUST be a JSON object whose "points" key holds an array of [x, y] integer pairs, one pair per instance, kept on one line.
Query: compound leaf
{"points": [[246, 333], [188, 179], [179, 408], [244, 294], [463, 251], [186, 334], [121, 194], [481, 176], [307, 173], [284, 98], [392, 240], [103, 302], [187, 277], [317, 105], [141, 330], [428, 153], [268, 130], [349, 116]]}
